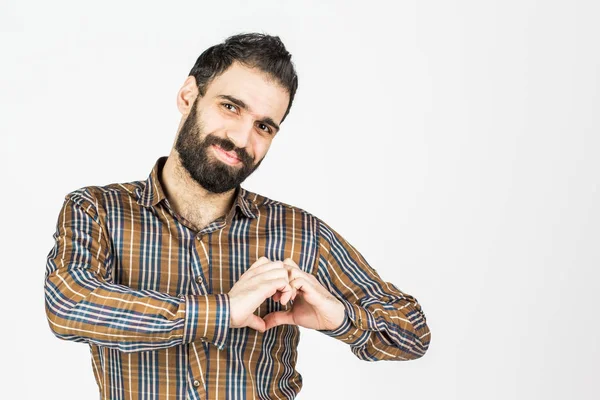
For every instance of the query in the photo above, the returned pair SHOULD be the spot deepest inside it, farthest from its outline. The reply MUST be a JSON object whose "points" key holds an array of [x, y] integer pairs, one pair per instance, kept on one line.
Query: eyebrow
{"points": [[242, 105]]}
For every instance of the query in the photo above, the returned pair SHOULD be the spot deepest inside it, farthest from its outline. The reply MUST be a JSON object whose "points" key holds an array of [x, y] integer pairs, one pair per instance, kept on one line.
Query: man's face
{"points": [[238, 115]]}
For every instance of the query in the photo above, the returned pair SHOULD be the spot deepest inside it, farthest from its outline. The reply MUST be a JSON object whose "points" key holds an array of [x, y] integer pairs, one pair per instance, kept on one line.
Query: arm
{"points": [[83, 304], [382, 323]]}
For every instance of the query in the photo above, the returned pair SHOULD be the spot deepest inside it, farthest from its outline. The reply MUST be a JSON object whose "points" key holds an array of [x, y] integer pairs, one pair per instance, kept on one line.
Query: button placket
{"points": [[197, 364], [200, 263]]}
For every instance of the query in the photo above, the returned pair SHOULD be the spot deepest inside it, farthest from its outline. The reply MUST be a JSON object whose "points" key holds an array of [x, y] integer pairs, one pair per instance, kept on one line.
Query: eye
{"points": [[230, 107], [264, 128]]}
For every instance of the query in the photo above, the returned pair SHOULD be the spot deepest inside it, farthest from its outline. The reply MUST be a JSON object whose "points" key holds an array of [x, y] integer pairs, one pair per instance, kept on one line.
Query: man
{"points": [[188, 286]]}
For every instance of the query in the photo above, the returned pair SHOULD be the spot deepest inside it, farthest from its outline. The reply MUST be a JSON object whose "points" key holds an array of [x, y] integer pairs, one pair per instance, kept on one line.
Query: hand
{"points": [[314, 307], [262, 280]]}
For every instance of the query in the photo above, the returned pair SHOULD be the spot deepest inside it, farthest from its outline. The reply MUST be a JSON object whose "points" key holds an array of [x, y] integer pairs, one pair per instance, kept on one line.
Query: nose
{"points": [[239, 133]]}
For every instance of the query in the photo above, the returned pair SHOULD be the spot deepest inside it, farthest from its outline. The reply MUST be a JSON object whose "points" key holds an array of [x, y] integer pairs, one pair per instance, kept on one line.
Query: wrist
{"points": [[339, 316]]}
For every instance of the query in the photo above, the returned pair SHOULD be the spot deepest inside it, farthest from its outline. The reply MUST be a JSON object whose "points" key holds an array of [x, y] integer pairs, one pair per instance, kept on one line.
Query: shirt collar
{"points": [[153, 193]]}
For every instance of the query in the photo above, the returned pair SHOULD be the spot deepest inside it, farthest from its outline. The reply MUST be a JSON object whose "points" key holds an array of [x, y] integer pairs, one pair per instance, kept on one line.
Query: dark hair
{"points": [[254, 50]]}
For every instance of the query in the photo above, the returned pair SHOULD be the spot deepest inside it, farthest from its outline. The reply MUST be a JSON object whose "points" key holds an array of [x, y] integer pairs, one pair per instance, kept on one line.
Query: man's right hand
{"points": [[262, 280]]}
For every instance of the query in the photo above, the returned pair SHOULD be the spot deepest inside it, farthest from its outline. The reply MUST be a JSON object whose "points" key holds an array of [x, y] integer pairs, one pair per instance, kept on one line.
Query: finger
{"points": [[262, 268], [294, 293], [289, 261], [303, 285], [286, 296], [279, 296], [261, 261], [277, 318], [270, 274], [295, 272], [282, 287], [257, 323], [269, 288], [276, 296]]}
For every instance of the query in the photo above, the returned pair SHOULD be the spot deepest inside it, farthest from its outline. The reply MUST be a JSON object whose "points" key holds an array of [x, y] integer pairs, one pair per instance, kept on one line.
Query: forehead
{"points": [[264, 96]]}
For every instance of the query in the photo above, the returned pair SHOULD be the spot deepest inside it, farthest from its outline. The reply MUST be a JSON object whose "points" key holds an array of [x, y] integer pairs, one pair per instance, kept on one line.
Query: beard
{"points": [[213, 174]]}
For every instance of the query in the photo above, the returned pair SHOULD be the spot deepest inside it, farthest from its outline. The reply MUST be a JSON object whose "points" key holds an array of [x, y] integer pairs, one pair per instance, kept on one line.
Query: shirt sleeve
{"points": [[83, 304], [382, 323]]}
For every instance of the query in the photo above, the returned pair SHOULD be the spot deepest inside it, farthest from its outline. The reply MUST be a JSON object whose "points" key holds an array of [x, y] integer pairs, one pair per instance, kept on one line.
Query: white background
{"points": [[454, 143]]}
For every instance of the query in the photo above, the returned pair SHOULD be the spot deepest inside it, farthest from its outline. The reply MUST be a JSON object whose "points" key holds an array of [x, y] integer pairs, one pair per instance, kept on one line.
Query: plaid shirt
{"points": [[148, 294]]}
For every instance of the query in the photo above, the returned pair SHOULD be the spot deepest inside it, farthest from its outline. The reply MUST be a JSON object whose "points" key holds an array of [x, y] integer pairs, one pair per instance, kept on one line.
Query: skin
{"points": [[250, 129]]}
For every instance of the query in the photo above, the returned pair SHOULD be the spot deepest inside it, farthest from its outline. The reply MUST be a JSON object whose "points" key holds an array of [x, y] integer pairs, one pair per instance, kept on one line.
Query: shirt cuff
{"points": [[351, 331], [206, 318]]}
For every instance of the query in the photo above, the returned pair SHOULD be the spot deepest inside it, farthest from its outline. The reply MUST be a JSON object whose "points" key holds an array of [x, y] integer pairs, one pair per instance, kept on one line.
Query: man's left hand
{"points": [[313, 306]]}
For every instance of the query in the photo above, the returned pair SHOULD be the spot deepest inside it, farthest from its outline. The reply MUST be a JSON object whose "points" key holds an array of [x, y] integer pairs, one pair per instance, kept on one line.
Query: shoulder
{"points": [[279, 209], [275, 208], [94, 199]]}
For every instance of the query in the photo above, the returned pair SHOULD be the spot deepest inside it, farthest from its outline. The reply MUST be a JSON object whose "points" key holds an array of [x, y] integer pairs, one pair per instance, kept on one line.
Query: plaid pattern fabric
{"points": [[148, 294]]}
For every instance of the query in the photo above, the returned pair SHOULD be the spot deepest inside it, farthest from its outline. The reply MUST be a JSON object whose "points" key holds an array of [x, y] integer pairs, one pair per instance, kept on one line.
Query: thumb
{"points": [[277, 318], [257, 323]]}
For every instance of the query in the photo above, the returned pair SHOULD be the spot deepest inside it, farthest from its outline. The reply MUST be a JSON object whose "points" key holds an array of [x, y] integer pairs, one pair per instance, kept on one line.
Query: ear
{"points": [[186, 95]]}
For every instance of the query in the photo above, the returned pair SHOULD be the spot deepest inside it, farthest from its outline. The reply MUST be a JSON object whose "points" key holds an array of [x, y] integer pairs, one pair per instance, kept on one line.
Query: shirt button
{"points": [[199, 279], [196, 383], [351, 337]]}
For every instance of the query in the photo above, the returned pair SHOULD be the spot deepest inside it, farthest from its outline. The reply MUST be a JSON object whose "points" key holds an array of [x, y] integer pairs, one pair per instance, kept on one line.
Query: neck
{"points": [[190, 200]]}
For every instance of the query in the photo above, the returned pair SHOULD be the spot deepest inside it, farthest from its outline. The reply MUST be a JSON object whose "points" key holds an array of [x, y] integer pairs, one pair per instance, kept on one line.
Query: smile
{"points": [[223, 155]]}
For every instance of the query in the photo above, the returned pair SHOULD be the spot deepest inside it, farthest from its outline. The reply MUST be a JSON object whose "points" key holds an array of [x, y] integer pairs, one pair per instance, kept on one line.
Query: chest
{"points": [[156, 252]]}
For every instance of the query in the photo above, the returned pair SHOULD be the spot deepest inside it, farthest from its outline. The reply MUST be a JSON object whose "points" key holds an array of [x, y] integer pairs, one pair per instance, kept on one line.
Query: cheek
{"points": [[260, 147], [213, 121], [212, 124]]}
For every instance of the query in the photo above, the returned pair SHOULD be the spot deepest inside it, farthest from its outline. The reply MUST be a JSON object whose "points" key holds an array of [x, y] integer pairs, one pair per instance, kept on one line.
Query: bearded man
{"points": [[188, 286]]}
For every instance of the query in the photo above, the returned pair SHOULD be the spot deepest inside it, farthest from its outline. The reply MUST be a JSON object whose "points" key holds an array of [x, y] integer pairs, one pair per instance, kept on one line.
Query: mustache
{"points": [[229, 146]]}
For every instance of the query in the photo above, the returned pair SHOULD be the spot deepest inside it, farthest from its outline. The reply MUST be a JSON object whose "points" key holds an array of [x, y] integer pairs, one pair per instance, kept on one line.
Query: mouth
{"points": [[228, 157]]}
